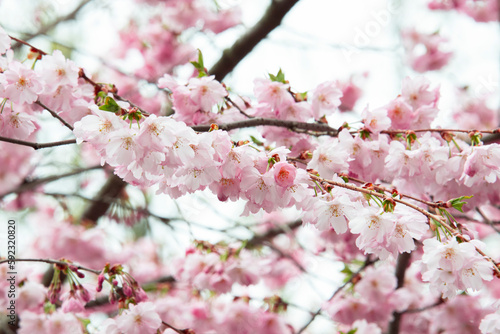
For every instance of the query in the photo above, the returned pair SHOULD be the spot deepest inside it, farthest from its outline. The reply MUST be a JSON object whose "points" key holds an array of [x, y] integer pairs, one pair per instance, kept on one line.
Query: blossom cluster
{"points": [[373, 193]]}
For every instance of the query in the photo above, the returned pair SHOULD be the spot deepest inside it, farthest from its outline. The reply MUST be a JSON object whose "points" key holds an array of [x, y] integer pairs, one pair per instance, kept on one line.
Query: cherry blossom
{"points": [[23, 85], [140, 318]]}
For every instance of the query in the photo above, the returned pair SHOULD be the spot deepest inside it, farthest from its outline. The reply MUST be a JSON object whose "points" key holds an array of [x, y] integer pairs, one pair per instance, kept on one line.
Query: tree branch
{"points": [[55, 115], [38, 182], [46, 28], [301, 127], [401, 266], [367, 263], [245, 44], [37, 146], [50, 261]]}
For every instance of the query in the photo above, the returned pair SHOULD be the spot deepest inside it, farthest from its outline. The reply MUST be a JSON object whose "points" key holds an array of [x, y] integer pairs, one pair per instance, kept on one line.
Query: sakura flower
{"points": [[205, 92], [482, 165], [223, 19], [33, 323], [409, 226], [60, 323], [376, 120], [96, 128], [284, 174], [139, 319], [450, 266], [122, 148], [330, 157], [23, 84], [326, 99], [274, 93], [57, 70], [350, 95], [330, 210], [432, 58], [155, 132], [416, 92], [31, 296], [4, 41], [400, 113], [373, 228], [258, 187], [363, 327], [490, 324], [16, 124]]}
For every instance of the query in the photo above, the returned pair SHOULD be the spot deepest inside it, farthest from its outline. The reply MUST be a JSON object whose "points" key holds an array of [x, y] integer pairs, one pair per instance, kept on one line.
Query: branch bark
{"points": [[245, 44], [401, 266], [317, 128]]}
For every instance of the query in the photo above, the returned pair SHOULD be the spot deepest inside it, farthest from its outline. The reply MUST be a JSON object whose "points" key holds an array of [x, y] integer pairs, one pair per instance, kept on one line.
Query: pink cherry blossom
{"points": [[205, 92], [274, 93], [23, 85], [284, 174], [138, 319], [376, 120], [326, 99], [4, 41]]}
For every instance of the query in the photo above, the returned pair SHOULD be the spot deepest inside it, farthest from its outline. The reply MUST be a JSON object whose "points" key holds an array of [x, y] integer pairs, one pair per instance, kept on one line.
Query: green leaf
{"points": [[256, 141], [280, 77], [110, 105], [199, 65], [457, 203]]}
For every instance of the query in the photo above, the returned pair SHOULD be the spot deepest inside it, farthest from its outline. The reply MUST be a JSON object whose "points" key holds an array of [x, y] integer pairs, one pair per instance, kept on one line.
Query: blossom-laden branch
{"points": [[431, 217]]}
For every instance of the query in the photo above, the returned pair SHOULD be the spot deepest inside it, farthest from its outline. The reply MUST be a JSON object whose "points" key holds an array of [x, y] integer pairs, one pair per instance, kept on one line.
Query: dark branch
{"points": [[401, 266], [38, 182], [46, 28], [316, 128], [55, 115], [245, 44], [37, 146], [367, 263]]}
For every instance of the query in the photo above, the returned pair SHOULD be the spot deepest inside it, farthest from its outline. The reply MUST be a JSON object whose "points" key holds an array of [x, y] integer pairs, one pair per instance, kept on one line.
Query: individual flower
{"points": [[139, 319], [206, 92], [23, 85], [274, 93], [326, 99], [376, 120], [490, 324], [284, 174], [56, 70], [4, 41]]}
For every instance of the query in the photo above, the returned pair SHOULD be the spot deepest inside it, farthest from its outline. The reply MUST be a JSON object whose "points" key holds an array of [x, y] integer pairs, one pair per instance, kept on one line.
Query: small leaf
{"points": [[457, 203], [199, 65], [256, 141], [280, 77], [110, 105]]}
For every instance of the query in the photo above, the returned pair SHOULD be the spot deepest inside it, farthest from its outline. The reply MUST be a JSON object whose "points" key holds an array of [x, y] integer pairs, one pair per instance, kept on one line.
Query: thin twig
{"points": [[367, 263], [50, 261], [46, 28], [55, 115], [30, 185]]}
